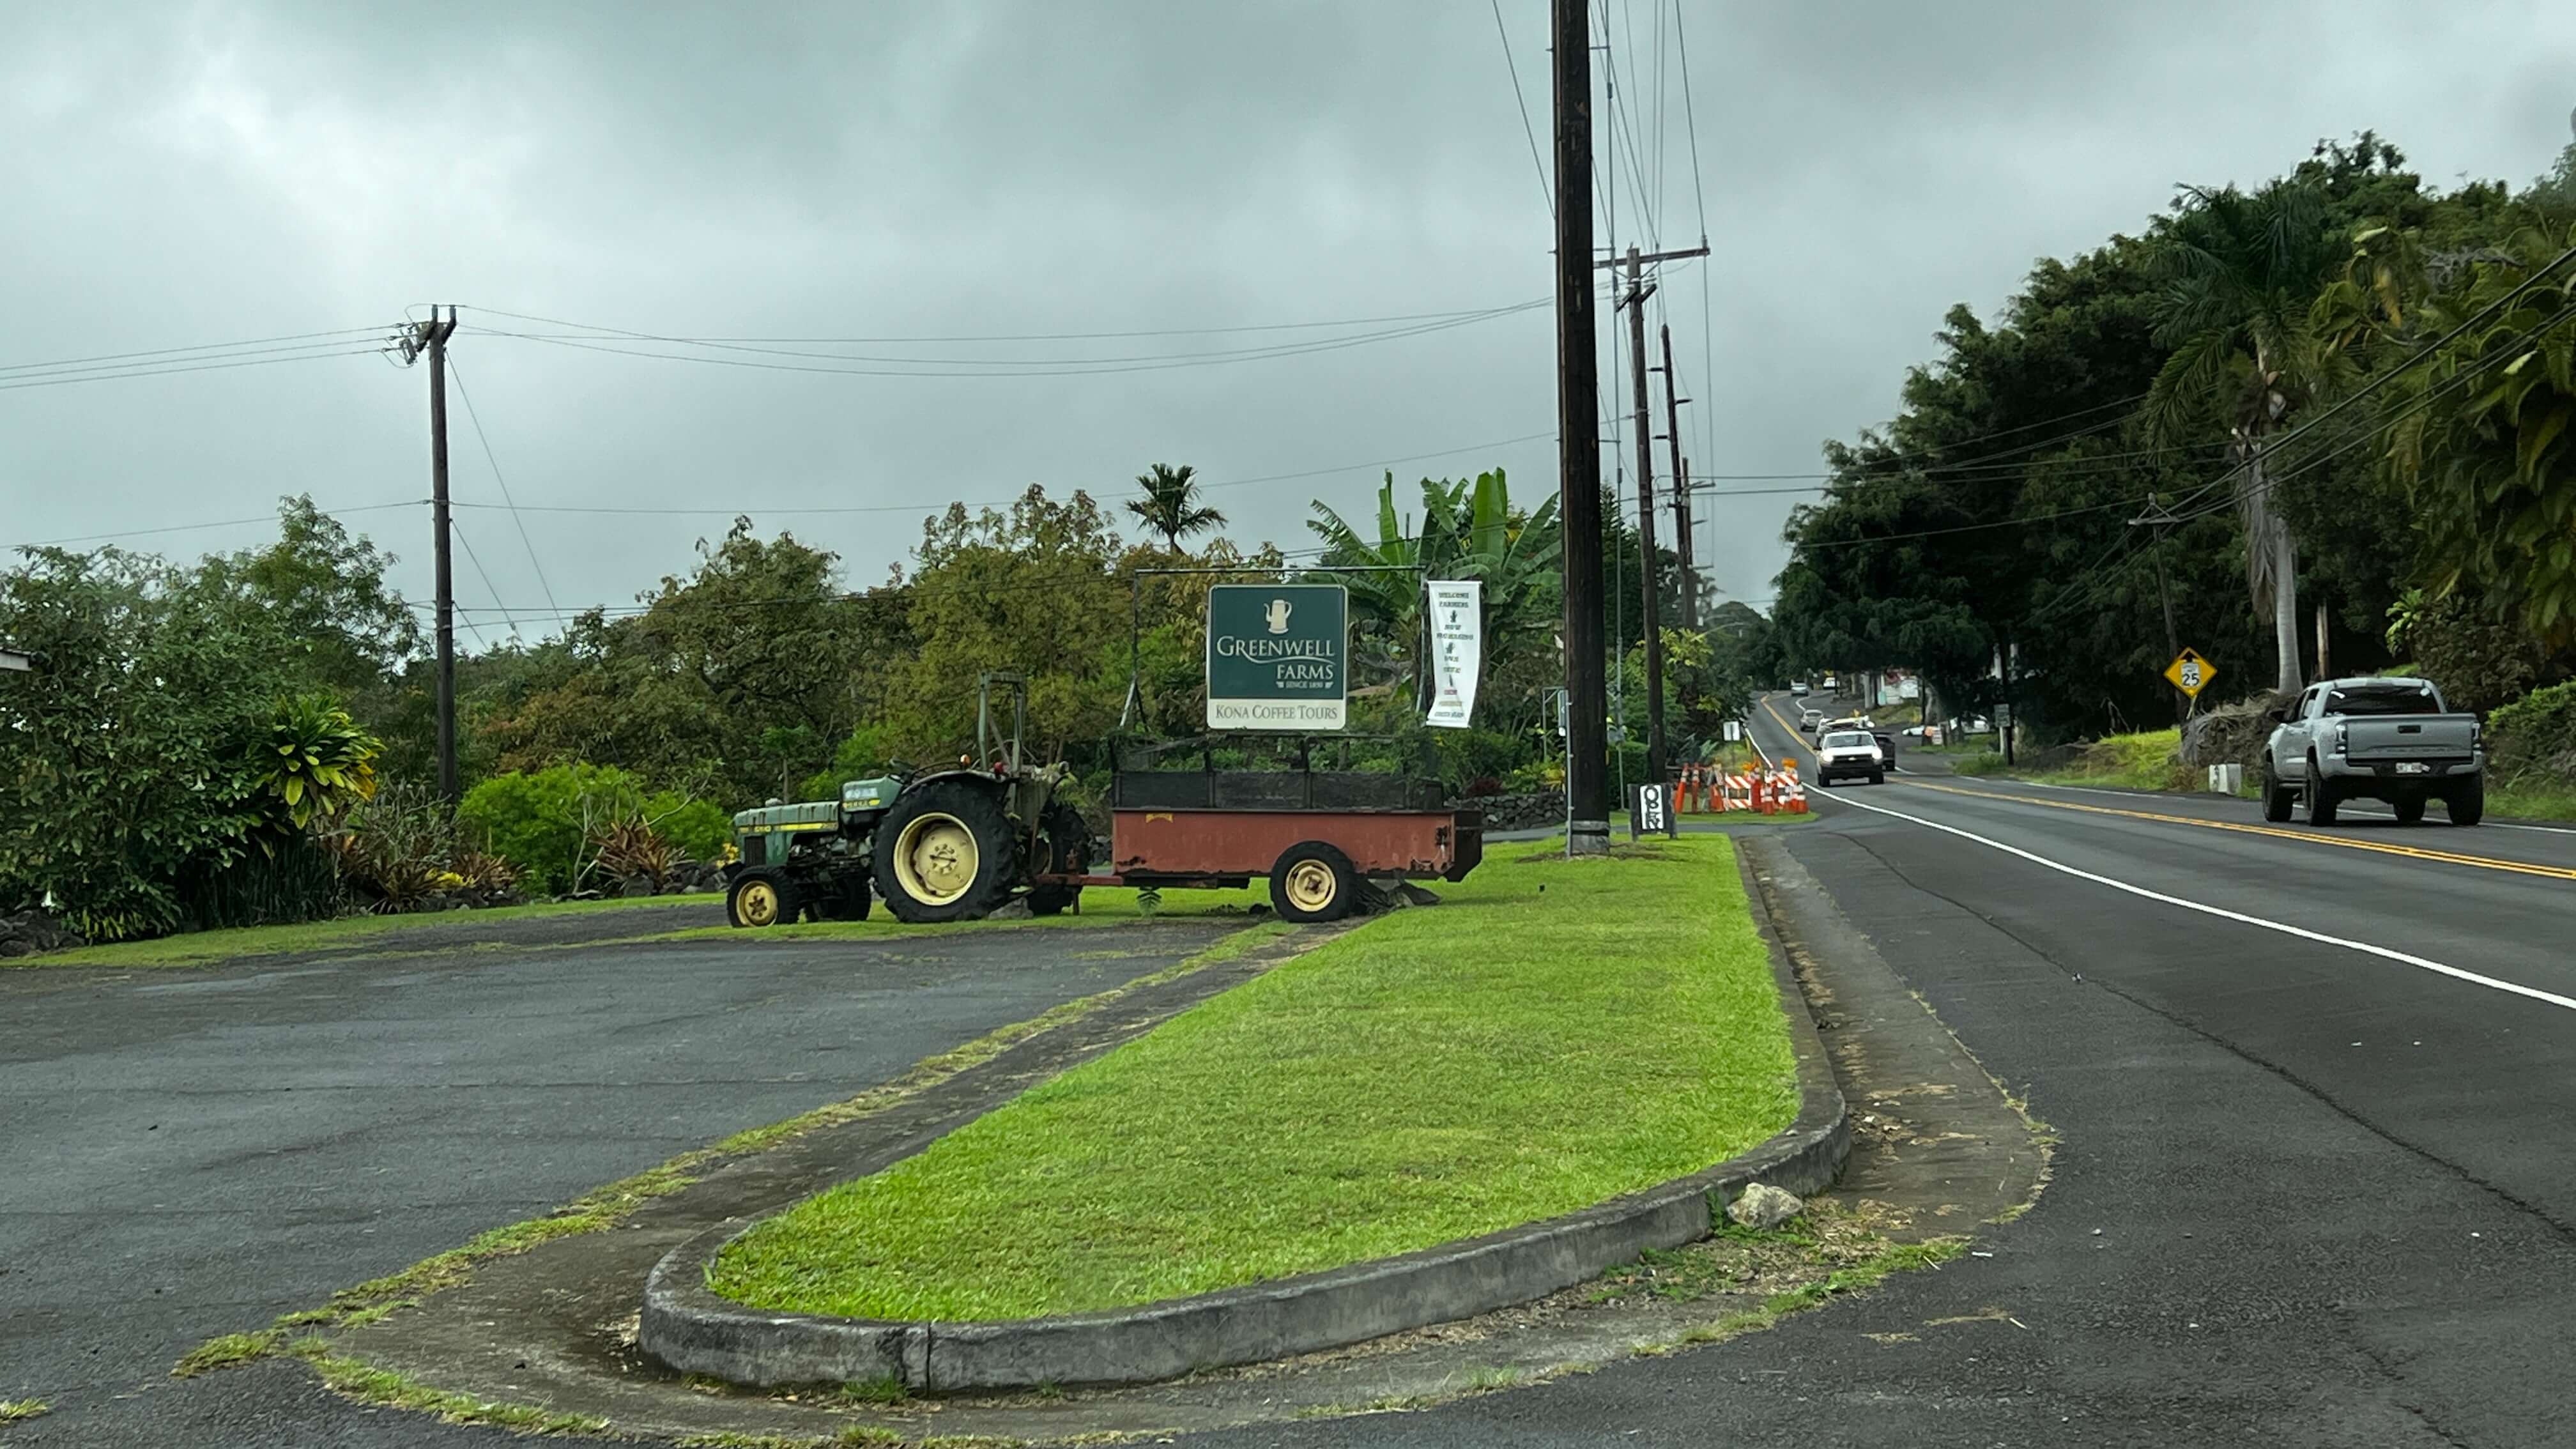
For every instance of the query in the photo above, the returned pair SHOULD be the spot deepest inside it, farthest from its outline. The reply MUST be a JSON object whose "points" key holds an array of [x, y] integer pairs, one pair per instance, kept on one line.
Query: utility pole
{"points": [[431, 337], [1635, 302], [2161, 519], [1651, 614], [1682, 540], [1578, 423]]}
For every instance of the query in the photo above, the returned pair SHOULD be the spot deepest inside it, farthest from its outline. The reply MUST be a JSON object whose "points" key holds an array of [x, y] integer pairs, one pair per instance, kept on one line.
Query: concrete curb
{"points": [[693, 1330]]}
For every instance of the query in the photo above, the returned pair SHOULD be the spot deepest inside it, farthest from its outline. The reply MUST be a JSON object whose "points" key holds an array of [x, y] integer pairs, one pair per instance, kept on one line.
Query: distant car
{"points": [[1797, 689], [1886, 747], [1849, 754], [1915, 732], [1812, 721]]}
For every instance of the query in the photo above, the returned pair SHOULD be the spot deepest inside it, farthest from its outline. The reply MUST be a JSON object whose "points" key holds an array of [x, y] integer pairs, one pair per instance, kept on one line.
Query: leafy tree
{"points": [[1029, 591], [342, 626], [131, 756], [1170, 506]]}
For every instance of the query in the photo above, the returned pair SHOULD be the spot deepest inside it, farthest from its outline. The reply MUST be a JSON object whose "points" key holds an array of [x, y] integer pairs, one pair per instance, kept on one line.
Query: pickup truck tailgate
{"points": [[2409, 737]]}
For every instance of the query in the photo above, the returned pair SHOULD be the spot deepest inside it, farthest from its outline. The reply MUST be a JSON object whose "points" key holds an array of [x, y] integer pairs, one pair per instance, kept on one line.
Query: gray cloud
{"points": [[179, 175]]}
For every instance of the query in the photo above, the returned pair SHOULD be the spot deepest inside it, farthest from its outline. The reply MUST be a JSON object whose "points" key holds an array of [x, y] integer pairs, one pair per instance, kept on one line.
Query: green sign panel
{"points": [[1278, 656]]}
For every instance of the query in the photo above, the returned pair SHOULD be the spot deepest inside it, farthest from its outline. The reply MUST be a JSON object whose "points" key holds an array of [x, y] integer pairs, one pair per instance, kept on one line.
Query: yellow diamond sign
{"points": [[2190, 673]]}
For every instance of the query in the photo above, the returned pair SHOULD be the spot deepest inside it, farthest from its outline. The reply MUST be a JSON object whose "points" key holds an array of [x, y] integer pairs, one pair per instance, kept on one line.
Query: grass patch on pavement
{"points": [[1101, 906], [14, 1410], [1555, 1034], [208, 948]]}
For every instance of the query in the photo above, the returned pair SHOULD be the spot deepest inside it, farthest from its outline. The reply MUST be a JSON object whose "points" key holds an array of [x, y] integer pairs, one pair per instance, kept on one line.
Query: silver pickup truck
{"points": [[2374, 739]]}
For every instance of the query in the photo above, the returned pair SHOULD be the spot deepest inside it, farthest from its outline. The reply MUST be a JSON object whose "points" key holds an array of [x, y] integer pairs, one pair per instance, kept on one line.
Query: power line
{"points": [[962, 339], [102, 375], [941, 506], [1522, 100], [1691, 113], [173, 352], [212, 523], [529, 544], [956, 368], [472, 558]]}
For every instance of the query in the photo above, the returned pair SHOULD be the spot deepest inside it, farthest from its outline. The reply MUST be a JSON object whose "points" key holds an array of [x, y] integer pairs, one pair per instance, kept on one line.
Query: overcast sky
{"points": [[172, 176]]}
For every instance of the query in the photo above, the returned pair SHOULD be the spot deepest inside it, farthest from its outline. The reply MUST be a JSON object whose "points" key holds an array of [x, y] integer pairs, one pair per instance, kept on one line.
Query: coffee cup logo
{"points": [[1277, 616]]}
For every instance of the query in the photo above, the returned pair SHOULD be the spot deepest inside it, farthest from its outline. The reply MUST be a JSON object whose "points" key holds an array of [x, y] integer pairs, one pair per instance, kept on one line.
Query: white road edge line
{"points": [[2303, 933], [2205, 795]]}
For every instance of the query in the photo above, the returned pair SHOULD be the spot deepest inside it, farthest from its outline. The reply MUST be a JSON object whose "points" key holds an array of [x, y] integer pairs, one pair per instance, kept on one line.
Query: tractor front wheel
{"points": [[759, 898], [944, 853]]}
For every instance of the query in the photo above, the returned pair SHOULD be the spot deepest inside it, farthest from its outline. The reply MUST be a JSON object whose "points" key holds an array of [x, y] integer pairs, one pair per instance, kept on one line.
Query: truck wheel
{"points": [[1878, 777], [2409, 812], [758, 898], [945, 853], [2321, 797], [2277, 797], [2467, 803], [1313, 882], [1064, 847]]}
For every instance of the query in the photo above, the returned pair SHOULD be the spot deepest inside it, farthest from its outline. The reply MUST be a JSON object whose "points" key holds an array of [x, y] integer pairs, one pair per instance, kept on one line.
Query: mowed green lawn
{"points": [[1554, 1034]]}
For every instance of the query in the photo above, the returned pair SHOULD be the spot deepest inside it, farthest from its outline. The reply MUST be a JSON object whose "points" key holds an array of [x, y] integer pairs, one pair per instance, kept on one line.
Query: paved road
{"points": [[2315, 1186], [2314, 1189], [193, 1152]]}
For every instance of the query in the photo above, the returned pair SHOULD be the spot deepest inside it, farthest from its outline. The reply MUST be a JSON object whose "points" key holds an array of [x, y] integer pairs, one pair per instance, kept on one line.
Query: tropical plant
{"points": [[1170, 506], [2482, 437], [2242, 273], [627, 849], [1468, 530], [315, 764]]}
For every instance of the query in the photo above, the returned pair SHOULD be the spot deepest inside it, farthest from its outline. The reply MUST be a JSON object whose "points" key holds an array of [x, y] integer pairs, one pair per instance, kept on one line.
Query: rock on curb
{"points": [[695, 1331]]}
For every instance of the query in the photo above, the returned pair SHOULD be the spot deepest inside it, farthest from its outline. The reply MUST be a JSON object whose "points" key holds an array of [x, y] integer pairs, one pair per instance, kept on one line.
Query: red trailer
{"points": [[1321, 836]]}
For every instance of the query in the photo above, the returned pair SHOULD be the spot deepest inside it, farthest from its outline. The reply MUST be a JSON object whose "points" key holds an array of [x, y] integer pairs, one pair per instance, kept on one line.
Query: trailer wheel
{"points": [[1064, 848], [1313, 882], [945, 853], [758, 898]]}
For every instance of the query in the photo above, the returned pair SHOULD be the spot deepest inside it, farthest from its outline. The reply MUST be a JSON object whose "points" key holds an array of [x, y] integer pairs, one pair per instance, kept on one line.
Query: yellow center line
{"points": [[2482, 862]]}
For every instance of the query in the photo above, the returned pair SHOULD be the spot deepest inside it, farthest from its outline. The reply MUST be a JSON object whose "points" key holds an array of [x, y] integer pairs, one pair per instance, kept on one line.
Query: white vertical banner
{"points": [[1457, 649]]}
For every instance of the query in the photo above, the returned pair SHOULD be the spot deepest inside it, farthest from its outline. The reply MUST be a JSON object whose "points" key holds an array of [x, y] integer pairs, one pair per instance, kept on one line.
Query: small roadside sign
{"points": [[1734, 730], [1652, 812], [2190, 673]]}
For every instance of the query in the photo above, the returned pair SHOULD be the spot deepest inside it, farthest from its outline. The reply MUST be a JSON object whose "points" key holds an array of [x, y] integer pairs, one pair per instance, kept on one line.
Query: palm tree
{"points": [[1170, 505], [2240, 275]]}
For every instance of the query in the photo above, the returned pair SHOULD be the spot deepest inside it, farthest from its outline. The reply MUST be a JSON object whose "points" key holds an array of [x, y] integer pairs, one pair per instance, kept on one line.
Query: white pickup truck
{"points": [[2374, 739]]}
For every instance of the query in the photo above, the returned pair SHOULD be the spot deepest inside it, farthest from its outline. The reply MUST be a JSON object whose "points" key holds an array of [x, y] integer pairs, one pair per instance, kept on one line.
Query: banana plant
{"points": [[1468, 531]]}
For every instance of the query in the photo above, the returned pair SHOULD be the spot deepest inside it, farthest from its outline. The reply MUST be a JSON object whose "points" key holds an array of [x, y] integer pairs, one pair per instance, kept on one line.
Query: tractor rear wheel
{"points": [[945, 853], [1064, 848]]}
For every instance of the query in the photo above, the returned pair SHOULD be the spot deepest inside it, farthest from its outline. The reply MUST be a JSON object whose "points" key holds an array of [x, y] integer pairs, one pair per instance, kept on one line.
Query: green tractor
{"points": [[941, 845]]}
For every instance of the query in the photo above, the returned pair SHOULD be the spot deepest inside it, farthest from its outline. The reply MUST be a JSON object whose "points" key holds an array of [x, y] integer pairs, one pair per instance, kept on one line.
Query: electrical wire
{"points": [[59, 380], [310, 338], [511, 503], [1521, 98], [470, 557], [962, 339], [211, 523]]}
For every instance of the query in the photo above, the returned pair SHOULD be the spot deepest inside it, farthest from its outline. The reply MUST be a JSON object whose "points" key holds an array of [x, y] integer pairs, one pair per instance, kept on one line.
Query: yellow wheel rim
{"points": [[935, 859], [758, 904], [1311, 886]]}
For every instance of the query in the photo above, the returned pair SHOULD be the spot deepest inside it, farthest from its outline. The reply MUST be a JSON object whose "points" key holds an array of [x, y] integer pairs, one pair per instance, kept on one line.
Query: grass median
{"points": [[1554, 1034]]}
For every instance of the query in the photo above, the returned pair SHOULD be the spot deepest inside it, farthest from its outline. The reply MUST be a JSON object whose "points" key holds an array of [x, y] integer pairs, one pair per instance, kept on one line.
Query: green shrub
{"points": [[2536, 732], [1988, 762], [544, 821]]}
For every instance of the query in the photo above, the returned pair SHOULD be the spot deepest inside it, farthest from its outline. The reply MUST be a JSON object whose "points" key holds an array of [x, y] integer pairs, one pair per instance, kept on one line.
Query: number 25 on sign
{"points": [[2190, 673]]}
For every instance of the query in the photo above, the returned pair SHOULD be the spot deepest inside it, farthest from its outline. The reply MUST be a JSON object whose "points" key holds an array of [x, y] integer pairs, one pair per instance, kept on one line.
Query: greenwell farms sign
{"points": [[1278, 656]]}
